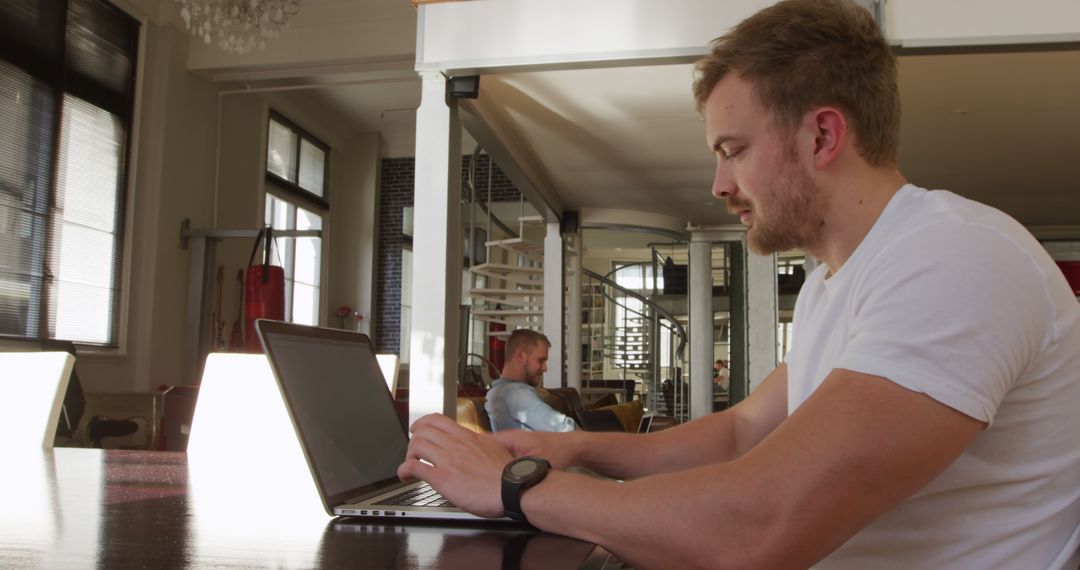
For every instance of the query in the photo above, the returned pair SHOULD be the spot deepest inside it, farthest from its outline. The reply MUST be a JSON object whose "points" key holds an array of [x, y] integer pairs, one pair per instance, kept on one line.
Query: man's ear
{"points": [[829, 128]]}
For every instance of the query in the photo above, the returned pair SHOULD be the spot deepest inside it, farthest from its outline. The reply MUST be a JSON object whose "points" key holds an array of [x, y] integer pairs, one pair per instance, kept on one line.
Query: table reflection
{"points": [[80, 508], [440, 547]]}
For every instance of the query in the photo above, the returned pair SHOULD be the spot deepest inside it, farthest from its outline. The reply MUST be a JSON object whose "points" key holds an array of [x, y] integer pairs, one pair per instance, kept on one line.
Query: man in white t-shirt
{"points": [[928, 414]]}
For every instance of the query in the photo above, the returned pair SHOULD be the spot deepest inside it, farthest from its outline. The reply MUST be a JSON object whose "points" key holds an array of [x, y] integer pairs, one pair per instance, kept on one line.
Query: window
{"points": [[790, 275], [296, 161], [631, 316], [66, 100], [296, 199], [301, 257]]}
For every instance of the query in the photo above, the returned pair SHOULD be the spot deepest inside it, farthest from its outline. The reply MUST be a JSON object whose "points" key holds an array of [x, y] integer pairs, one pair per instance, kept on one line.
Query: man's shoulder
{"points": [[917, 210], [940, 225], [504, 387]]}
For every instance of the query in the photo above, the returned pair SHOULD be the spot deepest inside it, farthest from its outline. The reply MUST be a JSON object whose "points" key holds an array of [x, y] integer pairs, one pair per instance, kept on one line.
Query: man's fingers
{"points": [[423, 449], [435, 421], [436, 443], [412, 468]]}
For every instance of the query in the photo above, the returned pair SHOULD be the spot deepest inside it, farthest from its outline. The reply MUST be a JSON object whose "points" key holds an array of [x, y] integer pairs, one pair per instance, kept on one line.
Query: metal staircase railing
{"points": [[509, 291], [633, 348]]}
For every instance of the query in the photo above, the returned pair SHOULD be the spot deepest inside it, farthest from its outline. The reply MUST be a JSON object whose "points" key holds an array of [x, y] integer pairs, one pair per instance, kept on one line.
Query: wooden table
{"points": [[86, 508]]}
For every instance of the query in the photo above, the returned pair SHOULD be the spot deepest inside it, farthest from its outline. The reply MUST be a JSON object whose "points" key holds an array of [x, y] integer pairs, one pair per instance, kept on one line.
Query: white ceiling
{"points": [[1003, 128]]}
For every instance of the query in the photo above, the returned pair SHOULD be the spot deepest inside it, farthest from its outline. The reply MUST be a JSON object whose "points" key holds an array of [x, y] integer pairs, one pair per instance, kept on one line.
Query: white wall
{"points": [[914, 23], [355, 222], [519, 34], [336, 35], [173, 179], [457, 35]]}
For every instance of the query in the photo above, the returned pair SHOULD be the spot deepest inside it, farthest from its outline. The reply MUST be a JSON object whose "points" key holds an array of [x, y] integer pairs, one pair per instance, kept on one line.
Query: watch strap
{"points": [[512, 487]]}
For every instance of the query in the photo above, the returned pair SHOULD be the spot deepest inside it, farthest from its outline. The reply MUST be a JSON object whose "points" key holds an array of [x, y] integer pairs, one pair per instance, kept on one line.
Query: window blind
{"points": [[66, 99]]}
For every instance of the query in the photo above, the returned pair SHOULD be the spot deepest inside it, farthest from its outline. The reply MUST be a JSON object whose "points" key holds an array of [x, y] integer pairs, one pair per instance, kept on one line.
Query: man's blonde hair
{"points": [[524, 339], [803, 54]]}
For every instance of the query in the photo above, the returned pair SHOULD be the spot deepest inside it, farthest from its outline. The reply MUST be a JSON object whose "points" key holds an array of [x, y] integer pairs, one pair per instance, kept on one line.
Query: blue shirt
{"points": [[512, 404]]}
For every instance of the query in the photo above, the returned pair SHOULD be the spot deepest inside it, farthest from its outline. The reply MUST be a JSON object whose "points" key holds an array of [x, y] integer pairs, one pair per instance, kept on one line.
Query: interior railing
{"points": [[659, 372]]}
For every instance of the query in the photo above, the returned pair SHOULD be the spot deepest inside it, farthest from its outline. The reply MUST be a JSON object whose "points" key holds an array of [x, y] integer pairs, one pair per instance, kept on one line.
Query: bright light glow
{"points": [[251, 486], [426, 387], [33, 385], [388, 363], [301, 259], [312, 166], [29, 518], [77, 477], [52, 506], [405, 335], [280, 152], [91, 148]]}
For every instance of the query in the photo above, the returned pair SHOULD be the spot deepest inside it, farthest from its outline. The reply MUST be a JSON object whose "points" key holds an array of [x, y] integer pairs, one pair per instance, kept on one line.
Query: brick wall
{"points": [[396, 192]]}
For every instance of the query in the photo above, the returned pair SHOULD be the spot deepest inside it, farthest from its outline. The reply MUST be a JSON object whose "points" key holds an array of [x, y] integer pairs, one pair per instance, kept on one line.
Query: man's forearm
{"points": [[629, 456], [647, 524]]}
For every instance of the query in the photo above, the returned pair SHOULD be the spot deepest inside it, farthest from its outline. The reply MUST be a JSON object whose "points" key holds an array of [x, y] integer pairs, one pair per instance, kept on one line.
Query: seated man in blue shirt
{"points": [[512, 401]]}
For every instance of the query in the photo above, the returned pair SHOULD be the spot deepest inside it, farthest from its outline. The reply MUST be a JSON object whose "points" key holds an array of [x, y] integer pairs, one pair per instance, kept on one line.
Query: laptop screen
{"points": [[351, 433]]}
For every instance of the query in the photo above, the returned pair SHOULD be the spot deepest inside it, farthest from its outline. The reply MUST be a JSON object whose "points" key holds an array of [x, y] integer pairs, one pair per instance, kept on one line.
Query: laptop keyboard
{"points": [[422, 496]]}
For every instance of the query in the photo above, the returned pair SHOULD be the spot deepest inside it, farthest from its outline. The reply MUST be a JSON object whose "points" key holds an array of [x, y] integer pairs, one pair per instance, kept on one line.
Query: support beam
{"points": [[738, 386], [437, 253], [554, 294], [599, 33], [701, 329], [761, 310], [573, 311], [517, 161], [633, 33]]}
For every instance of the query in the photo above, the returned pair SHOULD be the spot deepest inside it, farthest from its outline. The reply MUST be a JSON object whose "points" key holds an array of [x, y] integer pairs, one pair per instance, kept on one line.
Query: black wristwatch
{"points": [[518, 475]]}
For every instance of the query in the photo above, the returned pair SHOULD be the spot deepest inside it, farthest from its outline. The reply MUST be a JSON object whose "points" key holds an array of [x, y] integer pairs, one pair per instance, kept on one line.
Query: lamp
{"points": [[237, 26]]}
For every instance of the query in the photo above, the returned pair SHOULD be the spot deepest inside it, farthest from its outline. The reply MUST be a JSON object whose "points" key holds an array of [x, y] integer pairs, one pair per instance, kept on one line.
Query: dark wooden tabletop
{"points": [[86, 508]]}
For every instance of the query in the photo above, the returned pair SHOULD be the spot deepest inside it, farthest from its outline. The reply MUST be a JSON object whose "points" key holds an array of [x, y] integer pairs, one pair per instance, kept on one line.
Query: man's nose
{"points": [[723, 182]]}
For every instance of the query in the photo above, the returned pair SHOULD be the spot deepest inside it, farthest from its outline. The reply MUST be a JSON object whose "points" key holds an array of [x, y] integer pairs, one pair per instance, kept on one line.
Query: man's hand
{"points": [[558, 448], [466, 467]]}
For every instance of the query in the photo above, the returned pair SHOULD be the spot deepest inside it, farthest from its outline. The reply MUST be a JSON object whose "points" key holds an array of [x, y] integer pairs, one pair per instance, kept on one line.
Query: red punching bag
{"points": [[264, 291]]}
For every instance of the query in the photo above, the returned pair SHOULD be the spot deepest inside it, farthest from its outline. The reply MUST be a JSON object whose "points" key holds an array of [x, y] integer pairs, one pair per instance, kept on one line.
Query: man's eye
{"points": [[730, 154]]}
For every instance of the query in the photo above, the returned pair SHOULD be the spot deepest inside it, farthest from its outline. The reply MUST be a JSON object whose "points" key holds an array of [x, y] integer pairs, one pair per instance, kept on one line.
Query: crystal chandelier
{"points": [[237, 26]]}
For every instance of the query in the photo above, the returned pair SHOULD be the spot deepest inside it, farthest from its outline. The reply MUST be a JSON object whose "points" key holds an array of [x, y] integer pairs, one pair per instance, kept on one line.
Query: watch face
{"points": [[523, 468]]}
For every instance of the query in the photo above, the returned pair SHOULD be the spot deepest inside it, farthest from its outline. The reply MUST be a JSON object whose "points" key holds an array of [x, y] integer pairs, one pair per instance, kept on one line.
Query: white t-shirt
{"points": [[954, 299]]}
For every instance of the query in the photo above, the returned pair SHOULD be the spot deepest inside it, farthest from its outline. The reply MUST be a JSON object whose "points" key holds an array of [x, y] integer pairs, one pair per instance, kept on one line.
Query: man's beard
{"points": [[790, 216]]}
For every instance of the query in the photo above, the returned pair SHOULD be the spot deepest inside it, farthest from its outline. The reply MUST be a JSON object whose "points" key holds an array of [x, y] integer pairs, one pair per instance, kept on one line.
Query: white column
{"points": [[701, 329], [436, 253], [553, 304], [761, 310], [573, 311]]}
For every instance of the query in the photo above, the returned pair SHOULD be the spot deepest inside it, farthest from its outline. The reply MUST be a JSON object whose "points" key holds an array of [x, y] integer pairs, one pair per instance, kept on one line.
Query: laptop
{"points": [[344, 416]]}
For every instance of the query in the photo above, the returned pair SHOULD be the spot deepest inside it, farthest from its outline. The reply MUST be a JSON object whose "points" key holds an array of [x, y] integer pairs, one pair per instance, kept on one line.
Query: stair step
{"points": [[504, 293], [518, 243], [517, 321], [526, 276], [515, 280], [507, 304], [506, 268], [515, 246], [506, 312]]}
